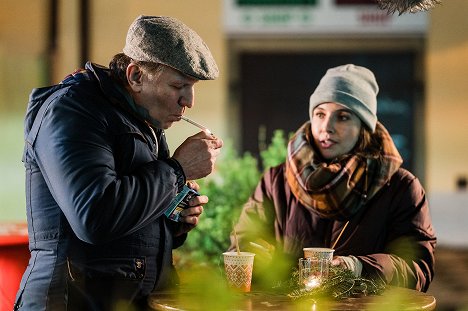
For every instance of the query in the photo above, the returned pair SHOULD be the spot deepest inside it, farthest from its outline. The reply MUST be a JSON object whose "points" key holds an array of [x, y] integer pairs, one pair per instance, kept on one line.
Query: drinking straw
{"points": [[237, 242], [339, 236]]}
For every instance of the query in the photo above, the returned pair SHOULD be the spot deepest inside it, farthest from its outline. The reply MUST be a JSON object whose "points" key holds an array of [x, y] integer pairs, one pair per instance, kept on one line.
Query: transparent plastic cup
{"points": [[238, 269], [319, 261], [318, 253]]}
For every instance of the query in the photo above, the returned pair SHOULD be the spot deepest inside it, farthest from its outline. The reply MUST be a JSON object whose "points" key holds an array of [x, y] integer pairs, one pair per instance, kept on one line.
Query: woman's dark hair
{"points": [[119, 63], [368, 142]]}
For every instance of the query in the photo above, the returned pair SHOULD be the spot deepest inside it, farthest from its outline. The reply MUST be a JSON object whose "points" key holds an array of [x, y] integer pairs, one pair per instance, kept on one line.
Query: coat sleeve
{"points": [[259, 230], [256, 222], [75, 153], [408, 258]]}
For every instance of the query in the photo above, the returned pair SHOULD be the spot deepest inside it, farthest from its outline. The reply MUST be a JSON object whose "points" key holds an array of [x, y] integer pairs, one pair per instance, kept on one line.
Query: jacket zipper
{"points": [[69, 270]]}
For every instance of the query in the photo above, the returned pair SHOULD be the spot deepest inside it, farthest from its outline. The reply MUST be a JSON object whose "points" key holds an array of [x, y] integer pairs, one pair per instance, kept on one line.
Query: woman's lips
{"points": [[325, 144]]}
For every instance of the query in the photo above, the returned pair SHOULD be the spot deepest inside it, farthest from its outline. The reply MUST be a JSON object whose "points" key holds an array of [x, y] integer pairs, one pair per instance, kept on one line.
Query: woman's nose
{"points": [[329, 125]]}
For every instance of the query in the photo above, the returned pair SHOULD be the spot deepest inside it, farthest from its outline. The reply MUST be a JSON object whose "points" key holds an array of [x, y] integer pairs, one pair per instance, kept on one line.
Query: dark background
{"points": [[275, 90]]}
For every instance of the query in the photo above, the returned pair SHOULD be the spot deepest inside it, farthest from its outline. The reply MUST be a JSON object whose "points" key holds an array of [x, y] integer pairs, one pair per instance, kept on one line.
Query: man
{"points": [[99, 176]]}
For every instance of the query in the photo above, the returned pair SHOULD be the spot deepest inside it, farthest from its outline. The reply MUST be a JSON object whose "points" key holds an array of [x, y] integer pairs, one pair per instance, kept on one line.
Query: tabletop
{"points": [[393, 298]]}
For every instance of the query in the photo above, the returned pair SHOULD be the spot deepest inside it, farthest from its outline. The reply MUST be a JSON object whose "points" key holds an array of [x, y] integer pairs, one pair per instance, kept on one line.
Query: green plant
{"points": [[276, 151], [228, 188]]}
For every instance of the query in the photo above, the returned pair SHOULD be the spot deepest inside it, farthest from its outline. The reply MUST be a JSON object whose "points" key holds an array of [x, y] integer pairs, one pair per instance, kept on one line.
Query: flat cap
{"points": [[166, 40]]}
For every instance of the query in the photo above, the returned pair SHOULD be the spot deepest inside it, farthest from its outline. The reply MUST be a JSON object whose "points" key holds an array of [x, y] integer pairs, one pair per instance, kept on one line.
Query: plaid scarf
{"points": [[341, 188]]}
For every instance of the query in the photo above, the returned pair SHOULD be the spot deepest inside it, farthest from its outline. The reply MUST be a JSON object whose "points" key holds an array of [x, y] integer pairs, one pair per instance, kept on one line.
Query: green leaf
{"points": [[228, 189]]}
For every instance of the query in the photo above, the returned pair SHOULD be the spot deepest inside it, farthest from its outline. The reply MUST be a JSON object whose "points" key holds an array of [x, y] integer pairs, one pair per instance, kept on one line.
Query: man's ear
{"points": [[134, 77]]}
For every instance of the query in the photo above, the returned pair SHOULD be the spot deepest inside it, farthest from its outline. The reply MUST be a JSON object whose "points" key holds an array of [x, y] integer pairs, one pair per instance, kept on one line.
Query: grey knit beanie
{"points": [[166, 40], [352, 86]]}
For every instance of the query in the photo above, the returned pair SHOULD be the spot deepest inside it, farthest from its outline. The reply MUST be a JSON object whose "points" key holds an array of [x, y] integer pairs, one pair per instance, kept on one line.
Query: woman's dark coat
{"points": [[393, 236]]}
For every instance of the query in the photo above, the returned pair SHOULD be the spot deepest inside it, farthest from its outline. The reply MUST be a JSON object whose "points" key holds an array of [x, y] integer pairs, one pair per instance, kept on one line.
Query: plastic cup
{"points": [[318, 253], [320, 259], [238, 269]]}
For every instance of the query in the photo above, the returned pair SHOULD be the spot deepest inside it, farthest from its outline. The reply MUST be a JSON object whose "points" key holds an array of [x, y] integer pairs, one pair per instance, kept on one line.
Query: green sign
{"points": [[276, 2]]}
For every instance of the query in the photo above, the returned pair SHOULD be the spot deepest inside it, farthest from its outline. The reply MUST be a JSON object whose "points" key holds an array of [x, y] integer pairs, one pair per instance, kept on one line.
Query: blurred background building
{"points": [[271, 55]]}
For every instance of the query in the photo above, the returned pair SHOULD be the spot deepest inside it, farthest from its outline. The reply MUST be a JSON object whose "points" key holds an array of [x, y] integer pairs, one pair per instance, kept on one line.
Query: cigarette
{"points": [[204, 128]]}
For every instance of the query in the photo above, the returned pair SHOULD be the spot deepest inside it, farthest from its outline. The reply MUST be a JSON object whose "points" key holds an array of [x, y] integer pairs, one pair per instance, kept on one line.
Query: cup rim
{"points": [[242, 254], [319, 249]]}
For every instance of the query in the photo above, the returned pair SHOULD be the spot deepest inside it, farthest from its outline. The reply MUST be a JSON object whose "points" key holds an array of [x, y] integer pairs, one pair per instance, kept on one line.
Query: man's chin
{"points": [[167, 125]]}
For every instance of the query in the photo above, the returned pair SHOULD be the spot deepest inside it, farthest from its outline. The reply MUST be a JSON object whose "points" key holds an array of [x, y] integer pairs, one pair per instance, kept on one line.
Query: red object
{"points": [[14, 257]]}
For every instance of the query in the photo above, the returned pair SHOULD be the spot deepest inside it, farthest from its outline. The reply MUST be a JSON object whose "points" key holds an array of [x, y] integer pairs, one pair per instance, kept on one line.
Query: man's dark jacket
{"points": [[97, 184]]}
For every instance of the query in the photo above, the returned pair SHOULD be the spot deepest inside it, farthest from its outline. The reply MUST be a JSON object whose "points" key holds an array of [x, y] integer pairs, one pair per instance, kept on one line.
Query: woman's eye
{"points": [[344, 117]]}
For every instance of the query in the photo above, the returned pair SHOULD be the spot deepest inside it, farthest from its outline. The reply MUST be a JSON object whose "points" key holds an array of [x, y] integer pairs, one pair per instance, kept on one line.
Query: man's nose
{"points": [[188, 98]]}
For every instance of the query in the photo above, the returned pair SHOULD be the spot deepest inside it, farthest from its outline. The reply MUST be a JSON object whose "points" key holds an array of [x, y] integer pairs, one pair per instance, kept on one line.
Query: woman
{"points": [[342, 187]]}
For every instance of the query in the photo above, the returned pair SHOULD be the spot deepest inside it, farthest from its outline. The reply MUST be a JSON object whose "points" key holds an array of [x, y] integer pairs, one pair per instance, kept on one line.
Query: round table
{"points": [[393, 298]]}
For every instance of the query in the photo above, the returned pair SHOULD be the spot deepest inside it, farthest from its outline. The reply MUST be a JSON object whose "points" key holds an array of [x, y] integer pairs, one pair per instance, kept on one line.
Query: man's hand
{"points": [[189, 217], [197, 155]]}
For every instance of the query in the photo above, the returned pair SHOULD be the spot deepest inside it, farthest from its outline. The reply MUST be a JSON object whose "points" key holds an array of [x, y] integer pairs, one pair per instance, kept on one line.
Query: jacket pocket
{"points": [[99, 284], [108, 268]]}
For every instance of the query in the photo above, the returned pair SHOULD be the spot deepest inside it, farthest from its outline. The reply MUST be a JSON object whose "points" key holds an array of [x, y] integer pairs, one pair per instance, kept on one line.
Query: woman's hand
{"points": [[348, 262]]}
